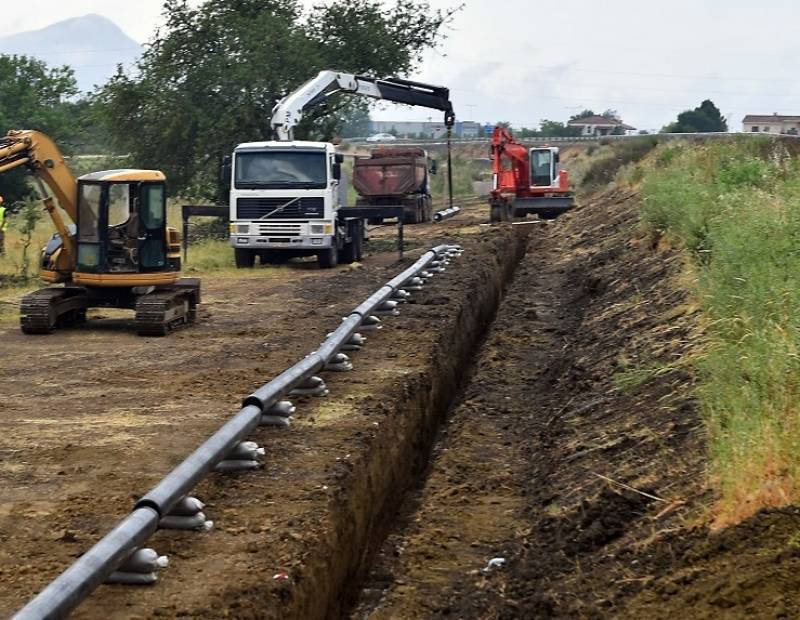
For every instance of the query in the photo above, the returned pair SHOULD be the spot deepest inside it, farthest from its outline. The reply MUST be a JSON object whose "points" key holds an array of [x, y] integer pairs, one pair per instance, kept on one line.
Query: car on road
{"points": [[382, 137]]}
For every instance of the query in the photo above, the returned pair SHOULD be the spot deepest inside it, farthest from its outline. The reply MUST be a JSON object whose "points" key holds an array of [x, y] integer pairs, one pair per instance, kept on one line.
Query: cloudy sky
{"points": [[525, 60]]}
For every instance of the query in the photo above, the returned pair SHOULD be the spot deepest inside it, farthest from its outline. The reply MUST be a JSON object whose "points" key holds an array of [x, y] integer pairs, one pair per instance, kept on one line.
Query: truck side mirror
{"points": [[337, 171], [338, 158], [225, 171], [433, 167]]}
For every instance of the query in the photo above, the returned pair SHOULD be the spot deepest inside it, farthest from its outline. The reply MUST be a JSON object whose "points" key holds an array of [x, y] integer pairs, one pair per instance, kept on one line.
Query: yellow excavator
{"points": [[118, 251]]}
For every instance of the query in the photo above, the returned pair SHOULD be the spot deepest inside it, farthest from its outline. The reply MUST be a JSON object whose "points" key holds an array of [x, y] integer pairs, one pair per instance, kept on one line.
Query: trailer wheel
{"points": [[245, 259], [328, 258]]}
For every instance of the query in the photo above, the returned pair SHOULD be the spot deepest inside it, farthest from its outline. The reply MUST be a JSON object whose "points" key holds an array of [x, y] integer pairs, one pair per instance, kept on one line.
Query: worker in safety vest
{"points": [[3, 227]]}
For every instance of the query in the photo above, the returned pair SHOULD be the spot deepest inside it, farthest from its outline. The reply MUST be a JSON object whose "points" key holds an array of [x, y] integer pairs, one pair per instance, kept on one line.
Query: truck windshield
{"points": [[276, 169]]}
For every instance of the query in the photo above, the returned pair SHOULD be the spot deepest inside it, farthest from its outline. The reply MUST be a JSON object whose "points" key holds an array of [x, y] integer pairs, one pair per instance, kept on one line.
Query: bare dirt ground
{"points": [[570, 452], [575, 458], [93, 417]]}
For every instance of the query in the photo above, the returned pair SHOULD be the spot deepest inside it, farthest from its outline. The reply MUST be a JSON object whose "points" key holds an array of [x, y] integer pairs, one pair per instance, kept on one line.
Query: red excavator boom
{"points": [[526, 180]]}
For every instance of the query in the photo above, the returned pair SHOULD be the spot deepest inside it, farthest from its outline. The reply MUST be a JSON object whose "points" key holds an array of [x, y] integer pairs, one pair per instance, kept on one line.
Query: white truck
{"points": [[284, 202], [288, 198]]}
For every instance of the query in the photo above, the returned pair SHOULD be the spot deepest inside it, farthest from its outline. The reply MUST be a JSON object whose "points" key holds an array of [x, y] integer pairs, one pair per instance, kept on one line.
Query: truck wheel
{"points": [[348, 253], [328, 258], [358, 244], [245, 259]]}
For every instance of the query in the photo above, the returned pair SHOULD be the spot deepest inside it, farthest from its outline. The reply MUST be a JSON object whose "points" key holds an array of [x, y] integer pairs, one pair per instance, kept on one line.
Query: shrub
{"points": [[735, 208]]}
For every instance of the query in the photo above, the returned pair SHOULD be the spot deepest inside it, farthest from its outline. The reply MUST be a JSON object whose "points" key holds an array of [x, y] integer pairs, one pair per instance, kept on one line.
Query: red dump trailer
{"points": [[396, 176]]}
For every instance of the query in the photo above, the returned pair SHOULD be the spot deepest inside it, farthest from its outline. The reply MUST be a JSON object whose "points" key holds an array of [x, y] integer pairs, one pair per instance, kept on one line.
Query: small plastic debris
{"points": [[281, 576], [494, 564]]}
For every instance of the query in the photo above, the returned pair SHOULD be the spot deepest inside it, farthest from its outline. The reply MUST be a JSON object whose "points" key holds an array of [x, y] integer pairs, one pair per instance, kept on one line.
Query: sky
{"points": [[525, 60]]}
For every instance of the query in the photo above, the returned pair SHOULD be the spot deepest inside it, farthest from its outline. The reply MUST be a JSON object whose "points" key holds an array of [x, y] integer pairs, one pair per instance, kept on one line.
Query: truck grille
{"points": [[279, 230], [256, 208]]}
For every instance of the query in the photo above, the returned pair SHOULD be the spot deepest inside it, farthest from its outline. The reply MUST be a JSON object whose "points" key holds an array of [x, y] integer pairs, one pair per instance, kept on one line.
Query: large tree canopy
{"points": [[211, 76], [703, 119], [33, 96]]}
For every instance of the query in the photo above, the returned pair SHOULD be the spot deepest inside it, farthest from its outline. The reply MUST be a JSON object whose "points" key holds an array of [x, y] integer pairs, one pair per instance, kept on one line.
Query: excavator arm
{"points": [[510, 162], [37, 153], [289, 110]]}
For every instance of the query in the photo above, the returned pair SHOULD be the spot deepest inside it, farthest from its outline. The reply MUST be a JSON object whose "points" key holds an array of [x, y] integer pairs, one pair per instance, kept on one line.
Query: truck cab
{"points": [[284, 202]]}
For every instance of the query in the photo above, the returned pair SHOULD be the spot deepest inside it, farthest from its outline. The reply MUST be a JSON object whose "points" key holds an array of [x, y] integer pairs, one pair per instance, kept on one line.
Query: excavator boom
{"points": [[40, 155]]}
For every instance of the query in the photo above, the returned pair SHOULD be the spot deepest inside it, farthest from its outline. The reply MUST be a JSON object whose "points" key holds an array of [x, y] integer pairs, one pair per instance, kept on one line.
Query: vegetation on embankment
{"points": [[734, 207]]}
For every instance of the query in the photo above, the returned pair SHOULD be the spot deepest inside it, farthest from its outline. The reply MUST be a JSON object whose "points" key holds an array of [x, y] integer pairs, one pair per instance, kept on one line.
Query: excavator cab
{"points": [[122, 225], [544, 167]]}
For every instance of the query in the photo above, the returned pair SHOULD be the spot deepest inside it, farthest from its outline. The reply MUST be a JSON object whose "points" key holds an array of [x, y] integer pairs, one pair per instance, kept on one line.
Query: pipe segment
{"points": [[68, 590]]}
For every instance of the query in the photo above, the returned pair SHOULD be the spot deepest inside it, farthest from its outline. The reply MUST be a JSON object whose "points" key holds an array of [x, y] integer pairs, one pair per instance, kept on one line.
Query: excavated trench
{"points": [[361, 514]]}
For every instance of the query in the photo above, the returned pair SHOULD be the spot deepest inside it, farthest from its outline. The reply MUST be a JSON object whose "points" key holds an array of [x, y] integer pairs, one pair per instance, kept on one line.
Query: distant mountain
{"points": [[92, 45]]}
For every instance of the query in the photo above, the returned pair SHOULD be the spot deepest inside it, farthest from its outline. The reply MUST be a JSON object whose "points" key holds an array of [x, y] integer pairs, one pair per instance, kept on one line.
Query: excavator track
{"points": [[158, 313], [44, 310]]}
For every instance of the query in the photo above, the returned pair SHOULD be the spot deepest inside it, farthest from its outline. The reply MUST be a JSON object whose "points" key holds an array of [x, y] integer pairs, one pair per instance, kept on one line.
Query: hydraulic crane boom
{"points": [[289, 110]]}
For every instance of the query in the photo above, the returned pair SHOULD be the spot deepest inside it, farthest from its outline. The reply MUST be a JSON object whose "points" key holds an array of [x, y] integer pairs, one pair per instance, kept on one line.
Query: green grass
{"points": [[735, 207], [465, 171], [606, 161]]}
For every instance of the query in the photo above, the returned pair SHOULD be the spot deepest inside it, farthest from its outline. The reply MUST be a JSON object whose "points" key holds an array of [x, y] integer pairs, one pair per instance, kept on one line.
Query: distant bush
{"points": [[605, 167]]}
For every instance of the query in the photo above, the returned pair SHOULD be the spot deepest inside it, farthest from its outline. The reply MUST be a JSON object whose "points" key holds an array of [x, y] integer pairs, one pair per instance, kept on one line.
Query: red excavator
{"points": [[526, 180]]}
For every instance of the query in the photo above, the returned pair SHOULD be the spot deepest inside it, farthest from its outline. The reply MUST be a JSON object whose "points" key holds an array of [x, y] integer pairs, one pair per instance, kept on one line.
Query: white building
{"points": [[775, 124], [431, 129], [600, 125]]}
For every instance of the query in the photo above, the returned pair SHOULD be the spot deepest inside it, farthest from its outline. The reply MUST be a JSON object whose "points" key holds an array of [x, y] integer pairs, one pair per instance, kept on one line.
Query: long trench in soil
{"points": [[361, 519], [459, 523]]}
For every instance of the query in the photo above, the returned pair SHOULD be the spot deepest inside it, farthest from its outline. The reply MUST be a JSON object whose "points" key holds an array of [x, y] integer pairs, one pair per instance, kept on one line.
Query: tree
{"points": [[211, 76], [703, 119], [355, 122], [33, 96], [549, 128], [580, 115], [29, 216]]}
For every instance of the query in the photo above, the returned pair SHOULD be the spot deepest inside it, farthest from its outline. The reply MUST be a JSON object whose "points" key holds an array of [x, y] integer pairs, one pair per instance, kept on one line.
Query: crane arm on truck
{"points": [[289, 110]]}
